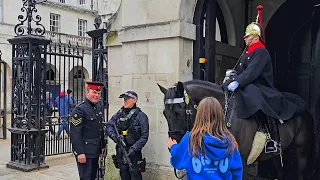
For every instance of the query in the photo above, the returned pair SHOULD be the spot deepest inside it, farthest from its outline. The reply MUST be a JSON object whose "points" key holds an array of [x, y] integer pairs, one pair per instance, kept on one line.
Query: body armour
{"points": [[125, 125]]}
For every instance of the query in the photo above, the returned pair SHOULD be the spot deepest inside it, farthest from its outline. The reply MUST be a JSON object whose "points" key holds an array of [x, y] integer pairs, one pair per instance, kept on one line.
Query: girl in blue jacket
{"points": [[209, 151]]}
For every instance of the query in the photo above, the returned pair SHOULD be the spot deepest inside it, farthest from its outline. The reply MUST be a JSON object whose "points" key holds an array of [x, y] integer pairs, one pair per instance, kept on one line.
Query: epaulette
{"points": [[79, 104]]}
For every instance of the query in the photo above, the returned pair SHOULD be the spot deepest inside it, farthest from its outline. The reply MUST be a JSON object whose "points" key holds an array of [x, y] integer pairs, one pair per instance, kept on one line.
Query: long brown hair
{"points": [[210, 119]]}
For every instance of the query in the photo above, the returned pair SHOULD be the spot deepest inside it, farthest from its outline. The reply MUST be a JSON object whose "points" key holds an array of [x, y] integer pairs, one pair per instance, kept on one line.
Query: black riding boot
{"points": [[262, 121], [269, 125]]}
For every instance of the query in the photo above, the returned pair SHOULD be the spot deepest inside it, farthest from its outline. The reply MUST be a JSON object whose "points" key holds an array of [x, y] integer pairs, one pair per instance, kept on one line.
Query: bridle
{"points": [[190, 110]]}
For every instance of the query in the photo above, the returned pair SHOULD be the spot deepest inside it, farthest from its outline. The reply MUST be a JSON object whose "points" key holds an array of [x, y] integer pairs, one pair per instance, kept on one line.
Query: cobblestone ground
{"points": [[62, 167]]}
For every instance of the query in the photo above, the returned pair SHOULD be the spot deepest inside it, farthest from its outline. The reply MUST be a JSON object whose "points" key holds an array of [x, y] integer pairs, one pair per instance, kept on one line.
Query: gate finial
{"points": [[29, 8], [97, 22]]}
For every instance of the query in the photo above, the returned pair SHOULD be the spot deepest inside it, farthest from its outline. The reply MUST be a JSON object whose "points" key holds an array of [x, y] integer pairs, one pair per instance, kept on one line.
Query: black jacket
{"points": [[140, 124], [256, 90], [86, 129]]}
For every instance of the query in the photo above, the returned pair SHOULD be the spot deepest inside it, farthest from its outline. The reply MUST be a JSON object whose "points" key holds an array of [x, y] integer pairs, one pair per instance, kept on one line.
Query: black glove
{"points": [[115, 139], [131, 152], [224, 86]]}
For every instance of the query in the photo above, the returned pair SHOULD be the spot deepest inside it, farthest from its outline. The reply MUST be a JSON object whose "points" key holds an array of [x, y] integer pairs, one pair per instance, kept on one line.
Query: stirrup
{"points": [[272, 146]]}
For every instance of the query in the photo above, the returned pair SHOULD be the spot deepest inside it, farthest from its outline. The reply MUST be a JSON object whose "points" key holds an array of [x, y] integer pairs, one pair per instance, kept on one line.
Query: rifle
{"points": [[102, 158], [102, 165], [122, 146]]}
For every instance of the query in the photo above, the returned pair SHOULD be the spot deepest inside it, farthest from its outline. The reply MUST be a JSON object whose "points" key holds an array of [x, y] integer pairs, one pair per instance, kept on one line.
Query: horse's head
{"points": [[179, 110]]}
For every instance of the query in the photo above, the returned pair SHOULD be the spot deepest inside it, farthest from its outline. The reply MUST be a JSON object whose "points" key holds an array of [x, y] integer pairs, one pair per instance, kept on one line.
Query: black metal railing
{"points": [[65, 85], [57, 144], [3, 98]]}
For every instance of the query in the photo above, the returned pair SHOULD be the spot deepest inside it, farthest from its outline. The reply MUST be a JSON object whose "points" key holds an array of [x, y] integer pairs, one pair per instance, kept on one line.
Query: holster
{"points": [[115, 161], [142, 165]]}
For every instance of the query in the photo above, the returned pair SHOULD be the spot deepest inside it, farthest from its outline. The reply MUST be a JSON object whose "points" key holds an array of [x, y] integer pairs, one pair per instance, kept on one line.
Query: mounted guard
{"points": [[252, 85]]}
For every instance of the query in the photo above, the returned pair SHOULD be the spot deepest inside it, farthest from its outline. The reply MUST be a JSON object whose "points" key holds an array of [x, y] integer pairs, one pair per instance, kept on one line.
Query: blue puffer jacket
{"points": [[64, 103]]}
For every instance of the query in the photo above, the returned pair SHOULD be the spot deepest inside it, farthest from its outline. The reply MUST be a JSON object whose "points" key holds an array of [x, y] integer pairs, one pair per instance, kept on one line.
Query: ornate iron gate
{"points": [[35, 87], [3, 98], [64, 74], [42, 72]]}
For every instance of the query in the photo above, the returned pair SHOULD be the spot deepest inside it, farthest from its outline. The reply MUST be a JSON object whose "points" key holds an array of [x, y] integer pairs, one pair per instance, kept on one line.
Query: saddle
{"points": [[267, 138]]}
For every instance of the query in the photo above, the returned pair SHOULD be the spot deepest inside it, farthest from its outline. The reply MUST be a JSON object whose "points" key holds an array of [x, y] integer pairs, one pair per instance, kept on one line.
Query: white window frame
{"points": [[62, 1], [82, 27], [81, 2], [55, 24]]}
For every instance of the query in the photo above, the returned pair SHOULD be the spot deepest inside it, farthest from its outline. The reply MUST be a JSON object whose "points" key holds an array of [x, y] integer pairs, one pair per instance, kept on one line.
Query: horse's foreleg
{"points": [[251, 171], [302, 158], [303, 146]]}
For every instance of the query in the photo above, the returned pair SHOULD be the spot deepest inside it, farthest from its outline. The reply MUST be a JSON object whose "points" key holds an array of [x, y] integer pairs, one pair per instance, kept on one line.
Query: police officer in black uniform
{"points": [[133, 125], [86, 132]]}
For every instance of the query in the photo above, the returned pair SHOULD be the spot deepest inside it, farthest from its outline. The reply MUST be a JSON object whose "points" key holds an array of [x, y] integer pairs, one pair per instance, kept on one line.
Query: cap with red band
{"points": [[95, 85]]}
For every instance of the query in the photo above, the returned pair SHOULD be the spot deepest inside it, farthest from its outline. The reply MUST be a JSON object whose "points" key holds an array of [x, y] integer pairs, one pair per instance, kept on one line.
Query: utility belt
{"points": [[141, 164]]}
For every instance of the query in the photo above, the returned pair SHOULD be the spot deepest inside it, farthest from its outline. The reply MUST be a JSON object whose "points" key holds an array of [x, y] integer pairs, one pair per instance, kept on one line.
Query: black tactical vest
{"points": [[125, 125]]}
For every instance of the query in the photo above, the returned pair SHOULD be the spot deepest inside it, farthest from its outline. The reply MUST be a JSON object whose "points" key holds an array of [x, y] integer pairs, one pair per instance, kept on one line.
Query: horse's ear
{"points": [[162, 89], [180, 87]]}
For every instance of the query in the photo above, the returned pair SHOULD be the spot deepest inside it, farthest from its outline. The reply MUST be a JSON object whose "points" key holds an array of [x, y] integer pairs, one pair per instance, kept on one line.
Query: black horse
{"points": [[180, 109]]}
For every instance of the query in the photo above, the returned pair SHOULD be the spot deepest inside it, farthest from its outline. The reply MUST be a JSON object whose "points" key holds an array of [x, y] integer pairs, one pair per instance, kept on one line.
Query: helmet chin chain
{"points": [[245, 49]]}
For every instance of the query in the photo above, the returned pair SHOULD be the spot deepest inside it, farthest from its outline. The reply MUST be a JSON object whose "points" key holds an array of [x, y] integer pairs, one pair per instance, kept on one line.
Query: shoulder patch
{"points": [[76, 120]]}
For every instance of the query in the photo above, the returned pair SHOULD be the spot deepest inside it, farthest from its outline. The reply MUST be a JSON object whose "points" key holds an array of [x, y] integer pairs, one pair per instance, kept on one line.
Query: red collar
{"points": [[255, 46]]}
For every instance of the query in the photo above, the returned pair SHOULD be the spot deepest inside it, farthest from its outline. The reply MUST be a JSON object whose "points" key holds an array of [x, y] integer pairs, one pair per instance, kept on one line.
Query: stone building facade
{"points": [[153, 41], [65, 21]]}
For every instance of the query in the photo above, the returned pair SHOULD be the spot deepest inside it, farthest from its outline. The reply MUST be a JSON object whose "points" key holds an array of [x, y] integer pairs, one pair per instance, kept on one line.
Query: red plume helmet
{"points": [[256, 28], [259, 21]]}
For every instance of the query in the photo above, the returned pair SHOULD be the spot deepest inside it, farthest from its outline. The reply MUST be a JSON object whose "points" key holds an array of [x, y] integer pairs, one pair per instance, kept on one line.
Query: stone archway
{"points": [[214, 28], [52, 73], [77, 78], [293, 42]]}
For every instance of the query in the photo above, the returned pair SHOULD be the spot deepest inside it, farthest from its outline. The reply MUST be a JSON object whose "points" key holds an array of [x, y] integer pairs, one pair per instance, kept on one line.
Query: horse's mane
{"points": [[204, 84], [192, 85]]}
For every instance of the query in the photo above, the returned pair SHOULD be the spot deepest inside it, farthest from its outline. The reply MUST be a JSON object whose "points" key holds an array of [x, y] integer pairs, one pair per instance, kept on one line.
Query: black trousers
{"points": [[125, 174], [88, 170]]}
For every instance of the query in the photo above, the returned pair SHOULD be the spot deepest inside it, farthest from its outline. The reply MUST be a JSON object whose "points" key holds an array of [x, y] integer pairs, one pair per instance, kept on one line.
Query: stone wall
{"points": [[146, 47]]}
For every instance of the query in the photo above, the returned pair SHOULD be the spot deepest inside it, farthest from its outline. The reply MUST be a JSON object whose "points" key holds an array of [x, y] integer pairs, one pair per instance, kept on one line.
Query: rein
{"points": [[227, 100]]}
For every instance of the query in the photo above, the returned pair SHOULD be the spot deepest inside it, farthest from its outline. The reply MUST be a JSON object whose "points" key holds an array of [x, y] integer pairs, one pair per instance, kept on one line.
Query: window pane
{"points": [[54, 22]]}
